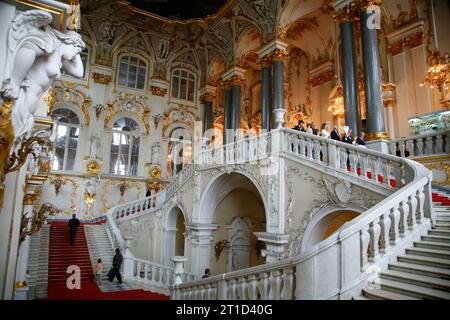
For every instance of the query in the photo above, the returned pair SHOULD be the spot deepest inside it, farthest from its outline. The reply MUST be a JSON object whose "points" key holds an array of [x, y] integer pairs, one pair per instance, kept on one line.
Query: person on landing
{"points": [[73, 226], [115, 271]]}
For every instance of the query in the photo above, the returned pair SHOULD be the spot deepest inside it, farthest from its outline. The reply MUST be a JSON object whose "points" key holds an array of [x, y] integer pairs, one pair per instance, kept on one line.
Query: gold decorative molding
{"points": [[409, 42], [6, 142], [101, 78], [218, 248], [206, 97], [89, 199], [158, 91], [377, 136], [321, 78], [114, 183], [46, 7], [30, 199], [104, 61], [20, 285], [440, 166], [59, 181], [224, 84], [346, 14]]}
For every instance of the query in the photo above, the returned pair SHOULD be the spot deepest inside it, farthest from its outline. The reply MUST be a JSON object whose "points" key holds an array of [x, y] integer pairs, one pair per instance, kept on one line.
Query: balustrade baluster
{"points": [[397, 170], [386, 172], [352, 160], [324, 148], [138, 270], [232, 289], [252, 287], [375, 233], [393, 148], [343, 156], [301, 143], [362, 161], [412, 202], [410, 148], [447, 142], [288, 283], [420, 205], [316, 150], [395, 221], [419, 145], [263, 286], [364, 243], [146, 272], [153, 273], [373, 168], [275, 285], [429, 145], [309, 146], [404, 217], [439, 146], [402, 146], [385, 225], [242, 289]]}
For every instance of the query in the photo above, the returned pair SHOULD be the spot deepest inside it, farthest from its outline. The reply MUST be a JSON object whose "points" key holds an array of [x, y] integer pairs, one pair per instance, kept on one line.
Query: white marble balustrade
{"points": [[421, 145]]}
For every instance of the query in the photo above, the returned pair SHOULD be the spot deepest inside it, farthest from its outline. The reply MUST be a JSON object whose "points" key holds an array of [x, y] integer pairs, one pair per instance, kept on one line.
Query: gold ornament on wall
{"points": [[158, 91], [222, 244], [6, 142], [93, 167], [58, 182], [101, 78], [155, 172], [440, 166]]}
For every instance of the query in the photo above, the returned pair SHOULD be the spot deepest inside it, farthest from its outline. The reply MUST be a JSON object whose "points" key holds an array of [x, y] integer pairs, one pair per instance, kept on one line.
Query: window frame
{"points": [[139, 59], [178, 99], [130, 136], [66, 143]]}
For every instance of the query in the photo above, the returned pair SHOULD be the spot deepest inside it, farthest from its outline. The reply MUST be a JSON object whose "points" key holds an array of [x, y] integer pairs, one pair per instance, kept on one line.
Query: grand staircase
{"points": [[38, 264], [423, 271]]}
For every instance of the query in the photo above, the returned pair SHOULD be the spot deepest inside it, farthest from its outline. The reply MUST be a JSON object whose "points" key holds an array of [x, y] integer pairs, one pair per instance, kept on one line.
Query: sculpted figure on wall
{"points": [[95, 147], [156, 152], [36, 55]]}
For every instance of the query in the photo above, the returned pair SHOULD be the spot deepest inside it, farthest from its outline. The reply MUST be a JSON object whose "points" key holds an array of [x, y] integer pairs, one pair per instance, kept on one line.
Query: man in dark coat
{"points": [[73, 226], [116, 264], [299, 126], [335, 134]]}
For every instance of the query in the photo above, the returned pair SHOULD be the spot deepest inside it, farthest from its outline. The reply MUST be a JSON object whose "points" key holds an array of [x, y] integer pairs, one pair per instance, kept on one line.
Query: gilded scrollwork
{"points": [[58, 182], [122, 187]]}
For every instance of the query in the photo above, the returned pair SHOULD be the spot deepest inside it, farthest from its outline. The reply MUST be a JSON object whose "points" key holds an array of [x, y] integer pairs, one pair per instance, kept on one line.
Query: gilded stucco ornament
{"points": [[101, 78], [93, 167]]}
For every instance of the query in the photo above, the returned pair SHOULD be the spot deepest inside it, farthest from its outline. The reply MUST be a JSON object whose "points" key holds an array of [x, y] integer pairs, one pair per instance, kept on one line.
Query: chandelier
{"points": [[438, 75], [336, 101]]}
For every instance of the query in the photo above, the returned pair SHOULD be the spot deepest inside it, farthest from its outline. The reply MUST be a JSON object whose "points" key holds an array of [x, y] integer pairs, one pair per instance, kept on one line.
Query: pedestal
{"points": [[378, 145], [178, 269]]}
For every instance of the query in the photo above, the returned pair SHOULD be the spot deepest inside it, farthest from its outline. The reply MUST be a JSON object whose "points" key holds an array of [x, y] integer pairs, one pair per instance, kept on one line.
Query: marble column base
{"points": [[378, 145]]}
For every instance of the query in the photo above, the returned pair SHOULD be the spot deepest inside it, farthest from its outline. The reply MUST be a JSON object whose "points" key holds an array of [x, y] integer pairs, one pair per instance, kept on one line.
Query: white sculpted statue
{"points": [[156, 149], [36, 55], [95, 147]]}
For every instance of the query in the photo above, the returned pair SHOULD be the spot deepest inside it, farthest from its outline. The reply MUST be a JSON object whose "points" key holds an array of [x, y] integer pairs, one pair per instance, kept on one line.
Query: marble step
{"points": [[423, 260], [439, 232], [441, 254], [415, 279], [432, 245], [413, 290], [439, 239], [420, 269], [378, 294]]}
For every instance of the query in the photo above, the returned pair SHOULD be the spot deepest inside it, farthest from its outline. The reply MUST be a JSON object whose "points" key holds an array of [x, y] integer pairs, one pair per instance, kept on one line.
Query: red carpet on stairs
{"points": [[62, 254]]}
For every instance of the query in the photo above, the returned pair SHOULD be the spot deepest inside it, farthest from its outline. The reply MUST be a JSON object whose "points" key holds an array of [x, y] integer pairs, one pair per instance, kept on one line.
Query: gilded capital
{"points": [[158, 91], [348, 13]]}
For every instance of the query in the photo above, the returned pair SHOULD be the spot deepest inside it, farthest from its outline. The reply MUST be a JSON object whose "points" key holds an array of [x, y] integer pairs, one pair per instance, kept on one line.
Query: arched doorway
{"points": [[174, 239], [326, 226], [233, 203]]}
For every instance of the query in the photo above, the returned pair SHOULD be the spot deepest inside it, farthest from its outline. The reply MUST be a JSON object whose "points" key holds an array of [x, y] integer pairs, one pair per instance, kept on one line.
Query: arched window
{"points": [[180, 150], [66, 142], [183, 85], [132, 72], [124, 154]]}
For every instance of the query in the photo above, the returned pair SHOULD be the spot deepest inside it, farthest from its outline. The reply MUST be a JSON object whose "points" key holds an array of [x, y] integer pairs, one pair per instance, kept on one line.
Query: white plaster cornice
{"points": [[235, 71], [270, 47], [405, 31], [273, 238]]}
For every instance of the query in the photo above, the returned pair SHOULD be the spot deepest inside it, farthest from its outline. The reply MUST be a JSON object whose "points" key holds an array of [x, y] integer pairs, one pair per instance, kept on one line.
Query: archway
{"points": [[174, 235], [327, 225], [234, 204]]}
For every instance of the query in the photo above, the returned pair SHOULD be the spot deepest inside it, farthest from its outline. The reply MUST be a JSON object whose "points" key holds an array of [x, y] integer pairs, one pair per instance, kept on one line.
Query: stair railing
{"points": [[421, 145]]}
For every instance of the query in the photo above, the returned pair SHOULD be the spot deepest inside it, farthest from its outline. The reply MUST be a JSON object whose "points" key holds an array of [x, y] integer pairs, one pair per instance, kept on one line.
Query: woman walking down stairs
{"points": [[423, 271], [62, 255]]}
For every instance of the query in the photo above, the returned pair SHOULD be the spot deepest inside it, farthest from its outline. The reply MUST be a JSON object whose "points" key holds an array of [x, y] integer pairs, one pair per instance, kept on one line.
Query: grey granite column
{"points": [[208, 115], [226, 112], [235, 122], [266, 73], [350, 83], [278, 86], [372, 80]]}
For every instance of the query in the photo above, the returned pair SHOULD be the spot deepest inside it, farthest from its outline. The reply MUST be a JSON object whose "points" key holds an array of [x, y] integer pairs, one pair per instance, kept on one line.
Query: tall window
{"points": [[183, 85], [66, 142], [124, 154], [132, 72]]}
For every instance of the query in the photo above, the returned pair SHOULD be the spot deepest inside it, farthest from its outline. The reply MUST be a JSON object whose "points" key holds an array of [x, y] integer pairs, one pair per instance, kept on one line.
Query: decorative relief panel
{"points": [[116, 192], [62, 193]]}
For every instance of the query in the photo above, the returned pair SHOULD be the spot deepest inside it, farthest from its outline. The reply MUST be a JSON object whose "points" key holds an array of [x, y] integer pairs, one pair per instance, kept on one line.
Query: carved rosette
{"points": [[158, 91], [93, 167], [101, 78]]}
